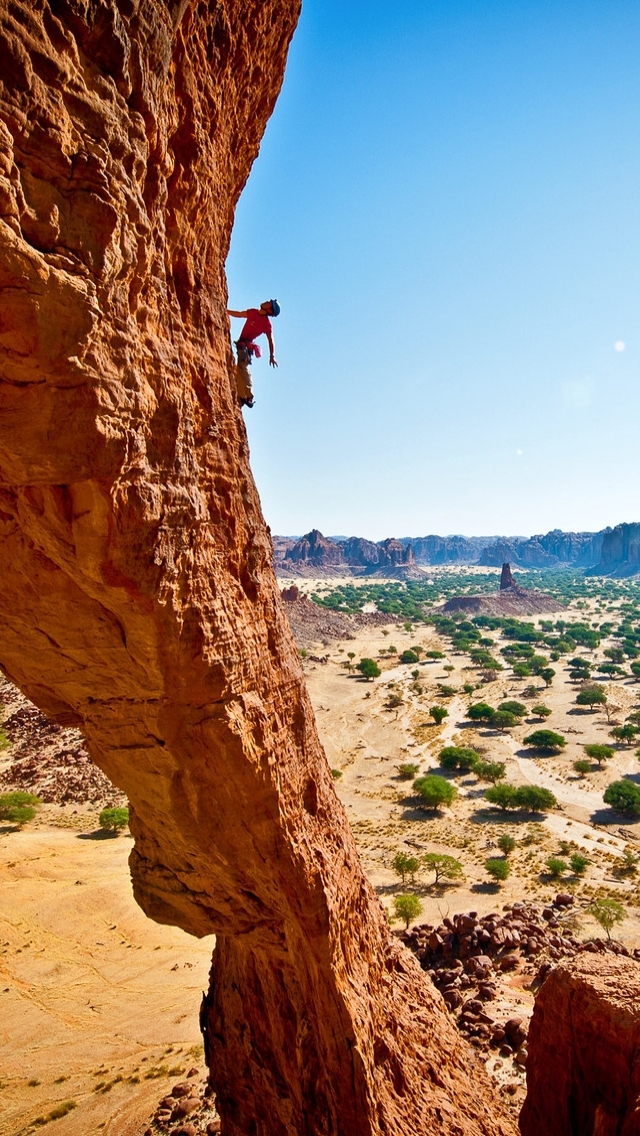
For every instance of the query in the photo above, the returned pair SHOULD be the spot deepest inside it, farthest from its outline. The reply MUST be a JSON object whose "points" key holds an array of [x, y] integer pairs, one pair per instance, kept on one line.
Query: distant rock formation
{"points": [[448, 549], [552, 550], [583, 1068], [317, 553], [620, 554], [506, 578], [511, 599]]}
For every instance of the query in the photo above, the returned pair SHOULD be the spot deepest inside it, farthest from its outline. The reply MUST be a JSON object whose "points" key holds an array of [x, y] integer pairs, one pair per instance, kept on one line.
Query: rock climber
{"points": [[257, 323]]}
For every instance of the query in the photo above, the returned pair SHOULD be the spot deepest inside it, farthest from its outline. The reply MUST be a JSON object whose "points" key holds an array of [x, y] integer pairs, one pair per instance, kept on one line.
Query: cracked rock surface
{"points": [[139, 602]]}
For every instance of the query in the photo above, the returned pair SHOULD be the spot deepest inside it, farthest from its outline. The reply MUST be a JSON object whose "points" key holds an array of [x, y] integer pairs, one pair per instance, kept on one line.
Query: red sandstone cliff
{"points": [[138, 598], [583, 1069]]}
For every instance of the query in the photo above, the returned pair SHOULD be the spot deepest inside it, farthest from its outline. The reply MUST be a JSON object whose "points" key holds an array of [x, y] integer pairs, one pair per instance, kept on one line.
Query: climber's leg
{"points": [[243, 376]]}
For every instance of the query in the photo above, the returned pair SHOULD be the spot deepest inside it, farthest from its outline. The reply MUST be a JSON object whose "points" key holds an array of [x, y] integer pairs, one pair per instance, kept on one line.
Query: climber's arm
{"points": [[272, 352], [239, 315]]}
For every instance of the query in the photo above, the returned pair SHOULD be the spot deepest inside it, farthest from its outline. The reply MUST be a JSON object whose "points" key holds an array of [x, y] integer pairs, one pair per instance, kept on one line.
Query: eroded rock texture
{"points": [[583, 1069], [138, 598]]}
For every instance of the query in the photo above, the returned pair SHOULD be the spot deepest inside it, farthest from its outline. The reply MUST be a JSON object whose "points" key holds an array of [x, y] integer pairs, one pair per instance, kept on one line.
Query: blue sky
{"points": [[447, 206]]}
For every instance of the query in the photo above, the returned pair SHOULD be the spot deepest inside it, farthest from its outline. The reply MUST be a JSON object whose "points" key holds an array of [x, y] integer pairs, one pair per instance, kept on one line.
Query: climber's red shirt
{"points": [[257, 323]]}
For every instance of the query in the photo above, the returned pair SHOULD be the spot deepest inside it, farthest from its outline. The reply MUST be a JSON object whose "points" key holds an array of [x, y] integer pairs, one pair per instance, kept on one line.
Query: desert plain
{"points": [[101, 1005]]}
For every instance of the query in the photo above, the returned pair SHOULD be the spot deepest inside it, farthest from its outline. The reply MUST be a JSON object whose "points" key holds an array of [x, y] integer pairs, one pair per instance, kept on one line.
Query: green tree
{"points": [[499, 869], [433, 655], [504, 796], [635, 671], [458, 757], [407, 908], [582, 767], [405, 865], [616, 654], [506, 843], [598, 752], [548, 674], [407, 770], [535, 799], [624, 797], [114, 819], [578, 864], [480, 712], [556, 866], [409, 657], [368, 668], [607, 912], [439, 713], [625, 734], [545, 740], [592, 696], [445, 867], [541, 712], [435, 791], [490, 771], [502, 721], [517, 709], [18, 807], [521, 670]]}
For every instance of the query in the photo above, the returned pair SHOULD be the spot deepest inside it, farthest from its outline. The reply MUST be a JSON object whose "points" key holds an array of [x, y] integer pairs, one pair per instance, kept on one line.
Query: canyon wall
{"points": [[138, 597]]}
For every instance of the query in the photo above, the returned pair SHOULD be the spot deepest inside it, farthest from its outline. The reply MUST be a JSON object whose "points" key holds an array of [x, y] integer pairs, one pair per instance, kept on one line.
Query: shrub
{"points": [[445, 867], [405, 865], [502, 721], [504, 796], [336, 774], [114, 819], [458, 757], [624, 797], [517, 709], [18, 807], [499, 869], [435, 791], [591, 696], [582, 767], [368, 668], [409, 657], [521, 670], [506, 843], [607, 912], [625, 734], [439, 713], [490, 771], [446, 691], [480, 712], [535, 799], [407, 770], [541, 712], [545, 740], [578, 864], [556, 866], [599, 752], [407, 907]]}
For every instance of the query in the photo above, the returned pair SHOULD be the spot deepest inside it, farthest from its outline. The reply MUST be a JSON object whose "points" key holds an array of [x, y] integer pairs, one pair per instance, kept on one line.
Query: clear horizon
{"points": [[446, 205]]}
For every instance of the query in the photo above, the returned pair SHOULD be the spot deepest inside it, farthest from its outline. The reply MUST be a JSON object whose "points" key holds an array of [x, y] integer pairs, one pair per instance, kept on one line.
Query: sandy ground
{"points": [[99, 1004]]}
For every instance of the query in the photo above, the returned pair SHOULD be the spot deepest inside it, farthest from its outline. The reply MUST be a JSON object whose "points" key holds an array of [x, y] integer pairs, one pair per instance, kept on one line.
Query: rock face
{"points": [[317, 550], [553, 549], [138, 597], [620, 552], [506, 578], [583, 1068]]}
